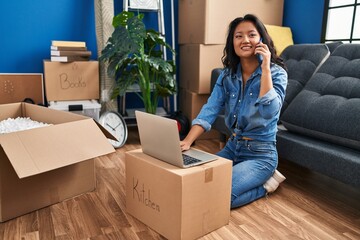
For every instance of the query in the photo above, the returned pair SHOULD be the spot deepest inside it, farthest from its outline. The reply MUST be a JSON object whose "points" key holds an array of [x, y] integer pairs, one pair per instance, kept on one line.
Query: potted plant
{"points": [[134, 56]]}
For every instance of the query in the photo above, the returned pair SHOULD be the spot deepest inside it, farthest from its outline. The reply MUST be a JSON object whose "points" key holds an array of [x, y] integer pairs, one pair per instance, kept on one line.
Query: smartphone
{"points": [[259, 56]]}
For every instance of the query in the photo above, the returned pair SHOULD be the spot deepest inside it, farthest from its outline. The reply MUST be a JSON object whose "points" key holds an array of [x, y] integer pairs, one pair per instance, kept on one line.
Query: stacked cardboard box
{"points": [[73, 86], [203, 26]]}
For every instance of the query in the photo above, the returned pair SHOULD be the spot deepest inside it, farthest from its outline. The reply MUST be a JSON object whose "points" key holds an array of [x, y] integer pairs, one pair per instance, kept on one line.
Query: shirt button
{"points": [[233, 95], [234, 115], [239, 100], [251, 94]]}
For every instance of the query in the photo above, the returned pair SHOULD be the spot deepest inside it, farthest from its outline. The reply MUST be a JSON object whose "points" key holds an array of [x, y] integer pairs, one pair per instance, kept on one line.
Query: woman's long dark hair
{"points": [[230, 59]]}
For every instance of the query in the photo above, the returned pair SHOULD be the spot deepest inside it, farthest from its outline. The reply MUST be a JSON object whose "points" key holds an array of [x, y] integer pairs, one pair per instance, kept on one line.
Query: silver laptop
{"points": [[159, 137]]}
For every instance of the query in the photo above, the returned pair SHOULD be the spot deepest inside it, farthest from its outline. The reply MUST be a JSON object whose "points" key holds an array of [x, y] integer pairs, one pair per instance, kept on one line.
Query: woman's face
{"points": [[245, 39]]}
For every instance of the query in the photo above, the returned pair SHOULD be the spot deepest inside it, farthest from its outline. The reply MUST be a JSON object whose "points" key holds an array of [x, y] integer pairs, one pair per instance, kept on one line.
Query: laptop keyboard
{"points": [[189, 160]]}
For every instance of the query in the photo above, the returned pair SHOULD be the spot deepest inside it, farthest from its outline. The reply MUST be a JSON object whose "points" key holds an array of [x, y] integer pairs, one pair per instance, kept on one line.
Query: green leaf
{"points": [[122, 18], [160, 64], [134, 55], [137, 32], [165, 91]]}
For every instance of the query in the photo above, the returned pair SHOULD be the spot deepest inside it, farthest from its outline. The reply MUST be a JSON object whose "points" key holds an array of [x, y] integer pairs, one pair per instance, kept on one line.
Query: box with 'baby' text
{"points": [[175, 202]]}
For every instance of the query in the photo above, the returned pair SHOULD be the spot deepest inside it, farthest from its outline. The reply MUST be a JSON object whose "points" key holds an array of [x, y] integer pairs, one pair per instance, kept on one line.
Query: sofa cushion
{"points": [[281, 36], [301, 60], [333, 45], [328, 107]]}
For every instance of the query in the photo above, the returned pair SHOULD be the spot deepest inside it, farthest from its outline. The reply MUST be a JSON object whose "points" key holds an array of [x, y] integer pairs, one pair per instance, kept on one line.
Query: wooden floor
{"points": [[306, 206]]}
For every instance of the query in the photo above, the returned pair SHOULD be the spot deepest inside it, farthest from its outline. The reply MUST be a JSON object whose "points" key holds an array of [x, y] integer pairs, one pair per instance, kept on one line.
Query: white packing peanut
{"points": [[18, 124]]}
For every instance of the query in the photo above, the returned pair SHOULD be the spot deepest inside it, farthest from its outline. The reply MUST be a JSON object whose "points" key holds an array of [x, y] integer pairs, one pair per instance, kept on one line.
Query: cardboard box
{"points": [[90, 108], [190, 105], [196, 63], [71, 81], [207, 21], [178, 203], [17, 87], [46, 165]]}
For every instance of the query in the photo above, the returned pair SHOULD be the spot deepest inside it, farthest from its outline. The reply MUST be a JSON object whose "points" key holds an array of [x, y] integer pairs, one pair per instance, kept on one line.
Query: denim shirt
{"points": [[246, 114]]}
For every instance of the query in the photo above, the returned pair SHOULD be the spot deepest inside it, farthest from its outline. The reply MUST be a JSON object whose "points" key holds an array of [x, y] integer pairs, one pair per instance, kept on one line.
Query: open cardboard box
{"points": [[46, 165], [175, 202]]}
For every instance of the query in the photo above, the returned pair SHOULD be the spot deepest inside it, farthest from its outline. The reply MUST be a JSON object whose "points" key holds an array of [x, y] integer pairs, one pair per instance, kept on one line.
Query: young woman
{"points": [[251, 89]]}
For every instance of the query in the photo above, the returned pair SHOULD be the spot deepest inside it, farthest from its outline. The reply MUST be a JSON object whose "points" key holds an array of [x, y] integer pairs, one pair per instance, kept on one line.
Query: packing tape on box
{"points": [[208, 174]]}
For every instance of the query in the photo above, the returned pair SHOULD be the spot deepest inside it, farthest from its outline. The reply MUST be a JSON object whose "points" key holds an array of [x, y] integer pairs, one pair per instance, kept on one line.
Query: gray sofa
{"points": [[320, 120]]}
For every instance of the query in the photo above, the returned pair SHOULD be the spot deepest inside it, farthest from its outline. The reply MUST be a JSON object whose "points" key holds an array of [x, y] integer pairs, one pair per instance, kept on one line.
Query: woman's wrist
{"points": [[265, 70]]}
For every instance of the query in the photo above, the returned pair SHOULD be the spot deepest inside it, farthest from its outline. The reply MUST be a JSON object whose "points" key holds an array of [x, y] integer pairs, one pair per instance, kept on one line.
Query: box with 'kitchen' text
{"points": [[46, 165], [77, 80], [175, 202]]}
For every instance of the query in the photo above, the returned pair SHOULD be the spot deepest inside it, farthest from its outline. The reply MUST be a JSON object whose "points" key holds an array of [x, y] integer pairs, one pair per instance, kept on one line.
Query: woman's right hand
{"points": [[185, 145], [194, 133]]}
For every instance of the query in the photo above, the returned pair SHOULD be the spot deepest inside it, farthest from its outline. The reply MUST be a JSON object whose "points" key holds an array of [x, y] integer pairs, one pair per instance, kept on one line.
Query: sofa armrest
{"points": [[219, 123], [214, 76]]}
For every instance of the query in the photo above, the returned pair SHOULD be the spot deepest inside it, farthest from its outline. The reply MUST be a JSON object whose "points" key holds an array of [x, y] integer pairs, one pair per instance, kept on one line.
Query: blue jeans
{"points": [[254, 162]]}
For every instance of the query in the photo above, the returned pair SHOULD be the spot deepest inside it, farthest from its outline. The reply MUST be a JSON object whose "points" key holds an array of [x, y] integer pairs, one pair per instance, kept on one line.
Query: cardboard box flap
{"points": [[105, 132], [55, 116], [44, 149], [11, 110]]}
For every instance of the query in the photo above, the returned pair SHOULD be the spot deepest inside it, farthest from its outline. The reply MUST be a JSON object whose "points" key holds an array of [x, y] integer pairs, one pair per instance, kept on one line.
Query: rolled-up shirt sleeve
{"points": [[204, 124], [270, 104]]}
